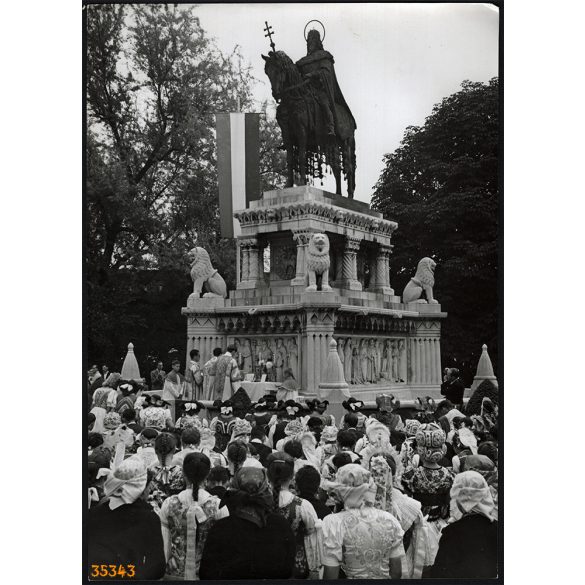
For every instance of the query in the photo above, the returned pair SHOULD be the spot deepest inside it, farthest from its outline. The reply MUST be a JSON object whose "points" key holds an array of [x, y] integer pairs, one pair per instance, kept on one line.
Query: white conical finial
{"points": [[130, 370], [333, 376], [485, 370]]}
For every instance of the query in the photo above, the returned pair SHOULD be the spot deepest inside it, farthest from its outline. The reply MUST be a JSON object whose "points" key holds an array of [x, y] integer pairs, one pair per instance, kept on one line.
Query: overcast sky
{"points": [[393, 61]]}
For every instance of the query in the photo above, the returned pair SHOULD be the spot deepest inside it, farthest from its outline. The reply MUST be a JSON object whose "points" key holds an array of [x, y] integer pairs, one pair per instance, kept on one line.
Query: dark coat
{"points": [[468, 549], [238, 549], [130, 534], [453, 391]]}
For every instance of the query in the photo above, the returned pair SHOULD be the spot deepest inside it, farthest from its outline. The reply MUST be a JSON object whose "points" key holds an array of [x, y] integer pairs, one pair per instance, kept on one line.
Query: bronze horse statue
{"points": [[308, 143]]}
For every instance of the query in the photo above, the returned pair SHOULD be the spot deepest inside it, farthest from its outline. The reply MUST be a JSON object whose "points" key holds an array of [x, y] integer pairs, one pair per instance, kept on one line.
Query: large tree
{"points": [[441, 186], [154, 82]]}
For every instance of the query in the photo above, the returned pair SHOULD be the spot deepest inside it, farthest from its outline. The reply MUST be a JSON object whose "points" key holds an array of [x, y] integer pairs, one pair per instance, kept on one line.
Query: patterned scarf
{"points": [[250, 496]]}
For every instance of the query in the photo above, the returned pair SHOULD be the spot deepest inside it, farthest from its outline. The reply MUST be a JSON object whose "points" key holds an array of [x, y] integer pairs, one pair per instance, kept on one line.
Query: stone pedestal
{"points": [[387, 346]]}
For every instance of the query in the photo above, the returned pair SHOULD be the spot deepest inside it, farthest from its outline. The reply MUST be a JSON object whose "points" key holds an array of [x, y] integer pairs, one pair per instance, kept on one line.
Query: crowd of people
{"points": [[184, 492]]}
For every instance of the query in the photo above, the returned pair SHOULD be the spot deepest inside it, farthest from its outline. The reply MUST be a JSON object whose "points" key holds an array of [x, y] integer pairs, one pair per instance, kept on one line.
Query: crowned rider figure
{"points": [[317, 68]]}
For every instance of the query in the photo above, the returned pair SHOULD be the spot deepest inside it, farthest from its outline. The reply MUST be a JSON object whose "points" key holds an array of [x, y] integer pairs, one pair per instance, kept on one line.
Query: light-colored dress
{"points": [[362, 541], [185, 524]]}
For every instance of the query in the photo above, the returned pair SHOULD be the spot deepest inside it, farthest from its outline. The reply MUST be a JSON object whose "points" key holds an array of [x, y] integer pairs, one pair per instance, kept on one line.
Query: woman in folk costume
{"points": [[146, 451], [254, 541], [238, 455], [288, 389], [207, 446], [124, 529], [293, 430], [364, 541], [186, 519], [328, 443], [468, 548], [100, 401], [286, 412], [116, 432], [165, 479], [464, 443], [127, 398], [190, 418], [300, 514], [355, 406], [155, 415], [174, 387], [408, 449], [222, 425], [386, 404], [377, 437], [406, 510], [429, 483], [487, 469]]}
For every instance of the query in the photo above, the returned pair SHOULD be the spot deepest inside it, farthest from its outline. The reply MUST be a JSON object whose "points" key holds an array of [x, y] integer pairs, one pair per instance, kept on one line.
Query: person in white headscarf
{"points": [[365, 541], [468, 548], [123, 528]]}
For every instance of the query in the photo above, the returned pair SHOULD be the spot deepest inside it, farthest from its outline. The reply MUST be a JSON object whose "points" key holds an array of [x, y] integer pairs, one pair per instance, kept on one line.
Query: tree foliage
{"points": [[154, 83], [441, 186]]}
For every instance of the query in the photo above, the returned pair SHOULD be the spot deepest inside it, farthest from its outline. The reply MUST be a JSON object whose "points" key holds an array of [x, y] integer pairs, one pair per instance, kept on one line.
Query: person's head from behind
{"points": [[489, 449], [126, 483], [237, 453], [190, 438], [294, 449], [280, 468], [232, 348], [194, 355], [196, 467], [346, 440], [288, 374], [351, 420], [307, 480], [462, 421], [90, 421], [218, 476], [258, 432], [113, 380], [341, 459], [217, 351], [164, 447], [95, 440], [443, 408], [147, 437], [128, 416]]}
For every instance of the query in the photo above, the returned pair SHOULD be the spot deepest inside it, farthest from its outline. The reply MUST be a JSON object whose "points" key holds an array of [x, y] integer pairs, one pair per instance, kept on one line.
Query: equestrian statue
{"points": [[316, 123]]}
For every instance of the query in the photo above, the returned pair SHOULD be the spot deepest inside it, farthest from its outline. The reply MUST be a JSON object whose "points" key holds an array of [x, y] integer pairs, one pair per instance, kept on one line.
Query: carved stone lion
{"points": [[424, 280], [318, 262], [205, 276]]}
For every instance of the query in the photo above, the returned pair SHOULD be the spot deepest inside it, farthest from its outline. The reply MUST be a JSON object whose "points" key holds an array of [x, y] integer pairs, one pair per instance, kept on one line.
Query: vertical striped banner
{"points": [[238, 166]]}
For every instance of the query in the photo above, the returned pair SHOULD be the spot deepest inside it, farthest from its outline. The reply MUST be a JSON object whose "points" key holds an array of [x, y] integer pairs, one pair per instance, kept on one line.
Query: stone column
{"points": [[350, 281], [418, 361], [250, 264], [380, 280], [302, 239], [437, 360]]}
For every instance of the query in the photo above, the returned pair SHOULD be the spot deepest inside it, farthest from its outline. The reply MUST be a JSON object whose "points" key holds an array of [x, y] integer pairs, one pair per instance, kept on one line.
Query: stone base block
{"points": [[196, 302], [423, 307], [319, 297]]}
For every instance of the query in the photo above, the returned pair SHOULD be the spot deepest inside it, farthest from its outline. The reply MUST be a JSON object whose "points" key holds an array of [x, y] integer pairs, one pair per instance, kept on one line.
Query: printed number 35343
{"points": [[112, 571]]}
